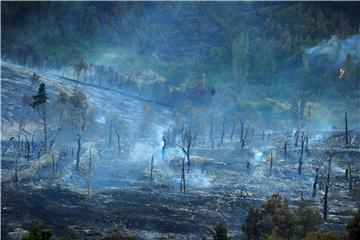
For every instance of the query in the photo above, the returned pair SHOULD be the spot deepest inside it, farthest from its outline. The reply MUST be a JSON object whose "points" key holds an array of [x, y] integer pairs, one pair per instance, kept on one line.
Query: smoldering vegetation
{"points": [[178, 121], [156, 170]]}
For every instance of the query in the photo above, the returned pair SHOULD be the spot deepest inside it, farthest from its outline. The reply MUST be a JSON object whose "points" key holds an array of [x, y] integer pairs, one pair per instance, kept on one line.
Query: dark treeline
{"points": [[190, 48]]}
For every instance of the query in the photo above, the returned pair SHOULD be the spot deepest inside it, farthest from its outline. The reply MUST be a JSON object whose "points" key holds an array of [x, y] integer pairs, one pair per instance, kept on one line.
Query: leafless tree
{"points": [[243, 133], [327, 183], [298, 109], [301, 153], [187, 138]]}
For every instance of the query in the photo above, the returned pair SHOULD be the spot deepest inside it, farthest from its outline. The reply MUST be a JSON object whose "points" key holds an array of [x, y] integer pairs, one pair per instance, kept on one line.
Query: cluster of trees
{"points": [[47, 34], [275, 220]]}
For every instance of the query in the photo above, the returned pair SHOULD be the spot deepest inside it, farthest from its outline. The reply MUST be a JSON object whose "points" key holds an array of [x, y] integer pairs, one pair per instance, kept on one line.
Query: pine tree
{"points": [[39, 100]]}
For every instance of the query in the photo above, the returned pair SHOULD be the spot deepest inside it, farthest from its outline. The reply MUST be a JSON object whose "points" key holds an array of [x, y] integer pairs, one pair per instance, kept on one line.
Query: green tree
{"points": [[240, 57], [275, 220], [79, 110], [39, 101], [353, 227], [308, 218], [219, 231]]}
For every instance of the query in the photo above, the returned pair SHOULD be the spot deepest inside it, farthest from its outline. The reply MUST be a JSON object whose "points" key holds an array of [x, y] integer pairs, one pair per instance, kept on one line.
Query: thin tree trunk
{"points": [[118, 141], [45, 131], [327, 187], [27, 150], [350, 178], [301, 156], [18, 158], [53, 164], [151, 168], [315, 182], [222, 132], [78, 152], [110, 135], [271, 163], [89, 181], [232, 131], [346, 129]]}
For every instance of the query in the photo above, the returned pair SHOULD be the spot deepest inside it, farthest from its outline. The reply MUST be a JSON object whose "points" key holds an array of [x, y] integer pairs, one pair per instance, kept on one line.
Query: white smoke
{"points": [[336, 49]]}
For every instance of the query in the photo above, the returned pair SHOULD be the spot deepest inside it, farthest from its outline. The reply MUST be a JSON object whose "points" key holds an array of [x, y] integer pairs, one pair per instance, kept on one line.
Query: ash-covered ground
{"points": [[118, 187]]}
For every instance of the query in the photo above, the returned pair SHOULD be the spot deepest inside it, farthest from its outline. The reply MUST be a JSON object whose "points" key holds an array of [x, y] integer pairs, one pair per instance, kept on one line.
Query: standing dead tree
{"points": [[285, 149], [233, 129], [301, 153], [182, 182], [163, 148], [352, 173], [298, 109], [187, 138], [270, 158], [79, 67], [327, 183], [79, 107], [222, 131], [243, 133], [346, 129], [18, 157], [315, 182]]}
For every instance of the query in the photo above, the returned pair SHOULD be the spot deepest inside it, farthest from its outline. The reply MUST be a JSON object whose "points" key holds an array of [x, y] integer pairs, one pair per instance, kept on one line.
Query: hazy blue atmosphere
{"points": [[180, 120]]}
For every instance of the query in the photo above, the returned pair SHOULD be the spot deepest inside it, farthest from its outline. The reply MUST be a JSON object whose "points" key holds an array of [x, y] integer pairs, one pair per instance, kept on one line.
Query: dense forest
{"points": [[180, 120], [257, 43]]}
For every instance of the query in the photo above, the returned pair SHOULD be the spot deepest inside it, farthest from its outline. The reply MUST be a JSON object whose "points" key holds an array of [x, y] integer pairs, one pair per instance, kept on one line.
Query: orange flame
{"points": [[341, 72]]}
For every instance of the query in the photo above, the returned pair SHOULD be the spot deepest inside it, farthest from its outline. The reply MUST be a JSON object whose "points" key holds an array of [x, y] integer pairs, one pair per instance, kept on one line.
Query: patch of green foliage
{"points": [[36, 234]]}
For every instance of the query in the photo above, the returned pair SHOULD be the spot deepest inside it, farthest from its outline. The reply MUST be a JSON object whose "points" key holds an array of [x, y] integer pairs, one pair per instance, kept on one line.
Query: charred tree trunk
{"points": [[222, 131], [53, 164], [110, 135], [301, 156], [27, 150], [271, 163], [163, 148], [263, 135], [118, 141], [346, 129], [350, 178], [45, 130], [18, 158], [182, 182], [285, 151], [32, 142], [296, 138], [327, 187], [90, 172], [232, 131], [203, 167], [78, 152], [243, 134], [211, 131], [315, 182]]}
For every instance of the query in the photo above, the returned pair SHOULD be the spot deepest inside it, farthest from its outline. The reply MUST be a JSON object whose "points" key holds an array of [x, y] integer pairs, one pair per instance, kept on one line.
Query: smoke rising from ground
{"points": [[336, 50]]}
